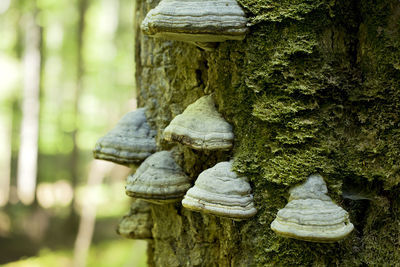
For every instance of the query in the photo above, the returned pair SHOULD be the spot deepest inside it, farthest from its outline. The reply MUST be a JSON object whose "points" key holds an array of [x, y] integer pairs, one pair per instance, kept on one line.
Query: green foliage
{"points": [[112, 253], [103, 59], [106, 92], [118, 253], [110, 200]]}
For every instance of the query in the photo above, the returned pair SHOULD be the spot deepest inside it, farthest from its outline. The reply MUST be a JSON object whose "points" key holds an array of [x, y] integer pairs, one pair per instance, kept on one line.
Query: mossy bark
{"points": [[313, 88]]}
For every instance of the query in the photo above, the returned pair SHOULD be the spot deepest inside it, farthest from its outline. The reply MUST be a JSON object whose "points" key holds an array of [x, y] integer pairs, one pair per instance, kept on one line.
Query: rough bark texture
{"points": [[313, 88]]}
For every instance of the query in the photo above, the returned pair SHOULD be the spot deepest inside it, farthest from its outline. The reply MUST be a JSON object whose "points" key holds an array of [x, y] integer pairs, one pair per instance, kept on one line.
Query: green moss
{"points": [[279, 138], [277, 109], [306, 105], [301, 80], [276, 11], [382, 232]]}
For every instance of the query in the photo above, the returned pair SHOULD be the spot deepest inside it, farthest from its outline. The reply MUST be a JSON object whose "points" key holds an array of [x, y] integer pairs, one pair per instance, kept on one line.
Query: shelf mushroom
{"points": [[311, 215], [201, 127], [221, 192], [138, 223], [129, 142], [198, 21], [159, 179]]}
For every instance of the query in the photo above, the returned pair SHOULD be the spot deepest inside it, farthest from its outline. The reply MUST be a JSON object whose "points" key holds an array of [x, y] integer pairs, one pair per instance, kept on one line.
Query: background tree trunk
{"points": [[28, 149], [314, 88], [80, 65]]}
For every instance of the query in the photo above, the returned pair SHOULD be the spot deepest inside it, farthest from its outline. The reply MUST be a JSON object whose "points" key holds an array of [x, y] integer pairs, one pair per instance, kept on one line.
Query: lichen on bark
{"points": [[314, 88]]}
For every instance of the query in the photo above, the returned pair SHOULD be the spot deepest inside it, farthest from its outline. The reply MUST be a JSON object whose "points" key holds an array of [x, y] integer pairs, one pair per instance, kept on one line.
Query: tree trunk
{"points": [[77, 93], [313, 88], [28, 150], [97, 172], [5, 156]]}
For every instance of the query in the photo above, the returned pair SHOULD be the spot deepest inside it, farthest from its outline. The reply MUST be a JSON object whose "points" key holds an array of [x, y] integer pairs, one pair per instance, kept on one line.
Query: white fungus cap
{"points": [[201, 127], [222, 192], [311, 215]]}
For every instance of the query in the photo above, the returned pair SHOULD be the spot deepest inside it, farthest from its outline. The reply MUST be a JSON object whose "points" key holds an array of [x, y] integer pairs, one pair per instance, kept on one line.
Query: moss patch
{"points": [[305, 105], [276, 11]]}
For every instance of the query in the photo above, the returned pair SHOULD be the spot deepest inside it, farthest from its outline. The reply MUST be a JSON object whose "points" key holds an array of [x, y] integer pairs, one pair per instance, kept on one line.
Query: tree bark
{"points": [[313, 88]]}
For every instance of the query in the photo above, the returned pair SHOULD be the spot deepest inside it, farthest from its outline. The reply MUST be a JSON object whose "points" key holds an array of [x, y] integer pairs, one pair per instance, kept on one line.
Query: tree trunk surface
{"points": [[313, 88]]}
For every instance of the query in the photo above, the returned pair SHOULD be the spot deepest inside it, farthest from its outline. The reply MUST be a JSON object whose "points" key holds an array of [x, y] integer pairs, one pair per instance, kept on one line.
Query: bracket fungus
{"points": [[159, 179], [130, 141], [221, 192], [138, 223], [196, 21], [201, 126], [311, 215]]}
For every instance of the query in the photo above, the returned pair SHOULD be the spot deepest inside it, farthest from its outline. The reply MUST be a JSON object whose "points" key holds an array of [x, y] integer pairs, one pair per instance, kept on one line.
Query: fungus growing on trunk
{"points": [[130, 141], [311, 215], [159, 179], [138, 223], [196, 21], [221, 192], [201, 127]]}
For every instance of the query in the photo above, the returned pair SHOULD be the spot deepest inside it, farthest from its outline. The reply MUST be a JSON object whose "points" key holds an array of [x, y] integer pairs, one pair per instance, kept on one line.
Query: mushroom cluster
{"points": [[221, 192], [201, 126], [159, 179], [196, 21], [129, 142], [311, 215]]}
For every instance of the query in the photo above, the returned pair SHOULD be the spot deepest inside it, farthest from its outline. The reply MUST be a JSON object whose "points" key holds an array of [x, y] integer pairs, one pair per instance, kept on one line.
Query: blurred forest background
{"points": [[66, 77]]}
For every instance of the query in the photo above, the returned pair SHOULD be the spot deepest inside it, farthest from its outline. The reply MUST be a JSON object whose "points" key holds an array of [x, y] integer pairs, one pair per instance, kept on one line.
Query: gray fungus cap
{"points": [[201, 127], [130, 141], [196, 20], [311, 215], [221, 192], [159, 179]]}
